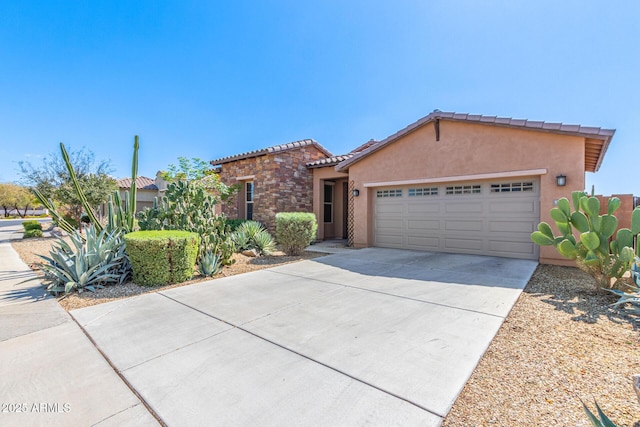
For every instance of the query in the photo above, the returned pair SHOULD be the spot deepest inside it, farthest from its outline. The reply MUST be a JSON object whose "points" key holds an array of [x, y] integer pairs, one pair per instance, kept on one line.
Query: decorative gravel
{"points": [[562, 342]]}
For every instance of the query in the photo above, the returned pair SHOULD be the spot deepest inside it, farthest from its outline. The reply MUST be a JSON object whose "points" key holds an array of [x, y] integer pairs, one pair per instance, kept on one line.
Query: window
{"points": [[388, 193], [248, 191], [427, 191], [328, 203], [512, 187], [463, 189]]}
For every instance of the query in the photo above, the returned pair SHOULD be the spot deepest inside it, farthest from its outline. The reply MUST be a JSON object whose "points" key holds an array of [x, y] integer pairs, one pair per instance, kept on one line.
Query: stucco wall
{"points": [[319, 176], [468, 149], [282, 183]]}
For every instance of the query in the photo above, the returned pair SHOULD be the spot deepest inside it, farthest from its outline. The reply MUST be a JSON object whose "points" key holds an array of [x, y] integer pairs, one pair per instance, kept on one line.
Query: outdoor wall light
{"points": [[355, 192], [561, 180]]}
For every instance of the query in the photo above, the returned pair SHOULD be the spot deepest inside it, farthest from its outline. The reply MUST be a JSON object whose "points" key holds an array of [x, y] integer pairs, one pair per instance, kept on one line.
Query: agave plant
{"points": [[209, 264], [631, 295], [252, 235], [601, 420], [86, 265]]}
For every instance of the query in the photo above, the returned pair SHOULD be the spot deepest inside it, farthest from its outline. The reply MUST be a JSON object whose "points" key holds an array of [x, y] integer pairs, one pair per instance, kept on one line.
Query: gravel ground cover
{"points": [[562, 342]]}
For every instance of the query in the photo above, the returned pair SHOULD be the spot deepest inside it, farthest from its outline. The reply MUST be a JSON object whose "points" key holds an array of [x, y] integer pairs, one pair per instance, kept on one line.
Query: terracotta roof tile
{"points": [[329, 161], [270, 150], [142, 183]]}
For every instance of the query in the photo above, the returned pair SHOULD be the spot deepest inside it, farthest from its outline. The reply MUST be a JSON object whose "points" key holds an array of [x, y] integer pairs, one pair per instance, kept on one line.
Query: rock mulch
{"points": [[562, 342]]}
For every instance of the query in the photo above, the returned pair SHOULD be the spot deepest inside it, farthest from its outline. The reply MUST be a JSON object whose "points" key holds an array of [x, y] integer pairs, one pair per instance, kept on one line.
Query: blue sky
{"points": [[210, 78]]}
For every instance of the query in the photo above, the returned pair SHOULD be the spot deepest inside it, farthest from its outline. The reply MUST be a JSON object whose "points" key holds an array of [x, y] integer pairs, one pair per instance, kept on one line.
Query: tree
{"points": [[199, 173], [13, 196], [52, 179]]}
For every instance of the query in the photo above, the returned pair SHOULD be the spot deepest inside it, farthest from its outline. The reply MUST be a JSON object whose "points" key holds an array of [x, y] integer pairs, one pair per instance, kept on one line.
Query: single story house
{"points": [[146, 190], [448, 182]]}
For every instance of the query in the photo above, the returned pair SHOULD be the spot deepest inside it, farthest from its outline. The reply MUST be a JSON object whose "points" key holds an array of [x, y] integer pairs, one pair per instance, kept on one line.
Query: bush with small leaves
{"points": [[295, 231], [162, 257], [34, 232]]}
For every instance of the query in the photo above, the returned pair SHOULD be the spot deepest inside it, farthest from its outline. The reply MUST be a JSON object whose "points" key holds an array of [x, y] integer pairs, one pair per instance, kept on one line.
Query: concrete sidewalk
{"points": [[52, 374]]}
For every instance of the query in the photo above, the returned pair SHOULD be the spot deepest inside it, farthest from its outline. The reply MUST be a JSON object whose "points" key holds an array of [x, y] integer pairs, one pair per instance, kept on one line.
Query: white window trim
{"points": [[246, 202]]}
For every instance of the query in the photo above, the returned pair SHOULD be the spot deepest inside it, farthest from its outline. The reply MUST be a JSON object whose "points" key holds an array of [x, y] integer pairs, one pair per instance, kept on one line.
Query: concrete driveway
{"points": [[372, 336]]}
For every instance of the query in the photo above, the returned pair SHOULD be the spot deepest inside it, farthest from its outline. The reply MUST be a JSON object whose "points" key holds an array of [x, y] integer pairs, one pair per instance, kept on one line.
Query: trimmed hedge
{"points": [[34, 232], [160, 257], [295, 231], [31, 225]]}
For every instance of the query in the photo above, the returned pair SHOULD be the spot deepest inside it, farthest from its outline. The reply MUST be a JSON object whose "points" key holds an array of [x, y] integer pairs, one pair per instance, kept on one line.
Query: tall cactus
{"points": [[131, 214], [595, 249]]}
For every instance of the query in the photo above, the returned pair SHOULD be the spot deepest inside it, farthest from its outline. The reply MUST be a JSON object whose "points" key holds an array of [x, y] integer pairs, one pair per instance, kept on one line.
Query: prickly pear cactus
{"points": [[588, 237]]}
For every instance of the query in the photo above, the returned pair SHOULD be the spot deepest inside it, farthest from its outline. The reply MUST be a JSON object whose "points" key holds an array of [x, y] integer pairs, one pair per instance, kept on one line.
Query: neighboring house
{"points": [[146, 190], [449, 182]]}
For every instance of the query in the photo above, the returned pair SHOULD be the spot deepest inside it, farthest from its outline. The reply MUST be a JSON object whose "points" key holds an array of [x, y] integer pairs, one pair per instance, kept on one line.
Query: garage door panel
{"points": [[423, 224], [393, 240], [462, 244], [512, 226], [423, 208], [423, 243], [390, 208], [460, 225], [511, 247], [484, 222], [464, 207], [390, 224], [521, 206]]}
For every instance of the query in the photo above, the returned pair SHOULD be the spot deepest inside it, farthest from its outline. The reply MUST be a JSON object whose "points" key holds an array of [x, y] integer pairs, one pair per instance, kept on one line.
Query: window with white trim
{"points": [[388, 193], [425, 191], [463, 189], [512, 187]]}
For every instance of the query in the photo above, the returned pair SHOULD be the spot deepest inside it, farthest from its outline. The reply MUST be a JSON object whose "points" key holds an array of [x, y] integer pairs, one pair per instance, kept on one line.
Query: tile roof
{"points": [[329, 161], [270, 150], [598, 139], [334, 160], [142, 183]]}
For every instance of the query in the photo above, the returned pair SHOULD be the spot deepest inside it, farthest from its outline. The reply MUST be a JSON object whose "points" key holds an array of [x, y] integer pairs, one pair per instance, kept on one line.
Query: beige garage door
{"points": [[487, 218]]}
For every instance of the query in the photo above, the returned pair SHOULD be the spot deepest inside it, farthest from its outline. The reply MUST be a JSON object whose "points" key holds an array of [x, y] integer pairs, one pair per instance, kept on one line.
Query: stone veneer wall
{"points": [[282, 183]]}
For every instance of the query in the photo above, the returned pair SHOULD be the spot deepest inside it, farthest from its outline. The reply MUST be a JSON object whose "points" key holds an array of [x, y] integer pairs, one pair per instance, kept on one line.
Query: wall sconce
{"points": [[561, 180], [355, 192]]}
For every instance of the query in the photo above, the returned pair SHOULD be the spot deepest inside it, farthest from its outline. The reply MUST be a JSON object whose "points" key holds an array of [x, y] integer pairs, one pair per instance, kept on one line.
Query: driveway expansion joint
{"points": [[309, 358], [122, 377]]}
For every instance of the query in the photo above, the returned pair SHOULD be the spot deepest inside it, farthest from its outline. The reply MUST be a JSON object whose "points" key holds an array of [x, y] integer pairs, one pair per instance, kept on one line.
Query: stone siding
{"points": [[282, 183]]}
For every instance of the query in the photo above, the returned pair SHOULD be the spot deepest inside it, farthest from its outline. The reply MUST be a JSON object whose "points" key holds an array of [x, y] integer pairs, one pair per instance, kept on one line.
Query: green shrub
{"points": [[295, 231], [34, 232], [234, 223], [161, 257], [252, 235], [31, 225]]}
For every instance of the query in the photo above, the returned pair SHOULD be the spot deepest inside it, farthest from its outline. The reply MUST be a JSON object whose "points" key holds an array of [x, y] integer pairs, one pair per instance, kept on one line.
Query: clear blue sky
{"points": [[211, 78]]}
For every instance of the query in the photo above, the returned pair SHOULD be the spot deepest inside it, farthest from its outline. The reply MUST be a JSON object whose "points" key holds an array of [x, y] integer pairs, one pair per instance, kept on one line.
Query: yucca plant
{"points": [[209, 264], [90, 264]]}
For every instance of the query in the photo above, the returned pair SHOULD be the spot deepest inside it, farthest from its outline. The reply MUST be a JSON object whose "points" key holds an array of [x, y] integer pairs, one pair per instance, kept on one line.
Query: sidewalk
{"points": [[52, 375]]}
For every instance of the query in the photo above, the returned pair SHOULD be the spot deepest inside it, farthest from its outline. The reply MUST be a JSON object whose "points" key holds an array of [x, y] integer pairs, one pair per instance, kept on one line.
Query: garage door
{"points": [[484, 218]]}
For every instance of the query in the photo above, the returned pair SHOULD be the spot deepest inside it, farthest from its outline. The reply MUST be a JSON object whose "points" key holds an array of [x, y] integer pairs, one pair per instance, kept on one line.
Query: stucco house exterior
{"points": [[146, 190], [448, 182]]}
